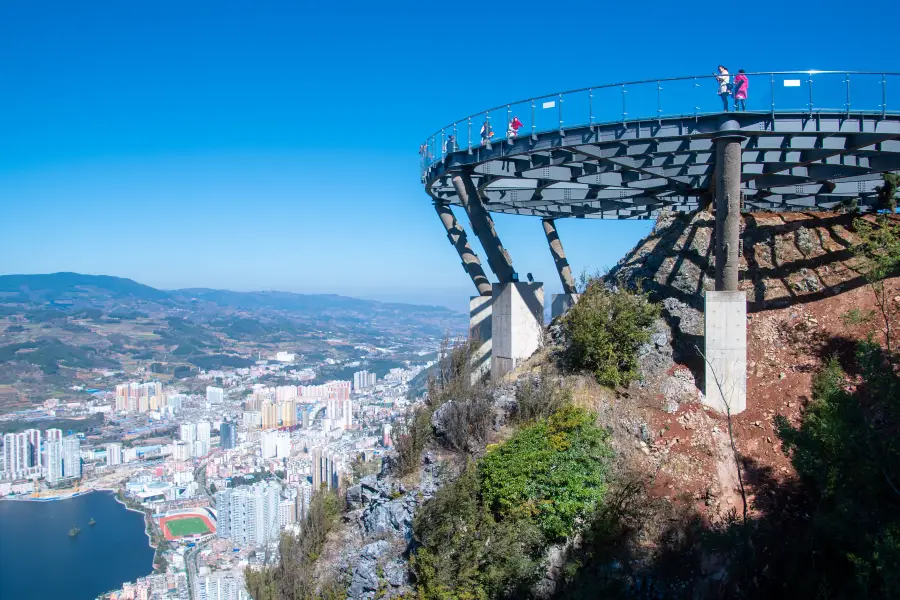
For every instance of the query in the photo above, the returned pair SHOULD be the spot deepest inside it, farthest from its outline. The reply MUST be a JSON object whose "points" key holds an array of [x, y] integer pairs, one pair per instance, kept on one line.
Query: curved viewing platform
{"points": [[809, 140]]}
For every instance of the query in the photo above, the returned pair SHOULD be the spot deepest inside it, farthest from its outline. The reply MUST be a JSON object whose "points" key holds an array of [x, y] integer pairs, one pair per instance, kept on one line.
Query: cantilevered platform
{"points": [[630, 168], [810, 141]]}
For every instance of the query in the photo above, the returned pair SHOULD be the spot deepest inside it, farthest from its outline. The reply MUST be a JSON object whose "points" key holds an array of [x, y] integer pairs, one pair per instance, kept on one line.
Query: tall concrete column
{"points": [[483, 225], [559, 256], [728, 212], [457, 236]]}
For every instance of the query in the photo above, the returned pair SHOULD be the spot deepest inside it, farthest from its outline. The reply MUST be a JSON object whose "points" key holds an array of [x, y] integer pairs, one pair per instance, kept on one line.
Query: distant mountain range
{"points": [[56, 328], [54, 287]]}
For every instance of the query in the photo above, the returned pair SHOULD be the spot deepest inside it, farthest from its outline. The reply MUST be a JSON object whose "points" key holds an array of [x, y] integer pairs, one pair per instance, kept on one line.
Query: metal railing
{"points": [[768, 92]]}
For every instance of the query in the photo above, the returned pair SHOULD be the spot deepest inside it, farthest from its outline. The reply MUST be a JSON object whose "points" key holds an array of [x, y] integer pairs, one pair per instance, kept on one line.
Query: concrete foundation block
{"points": [[561, 303], [725, 321], [480, 324], [517, 328]]}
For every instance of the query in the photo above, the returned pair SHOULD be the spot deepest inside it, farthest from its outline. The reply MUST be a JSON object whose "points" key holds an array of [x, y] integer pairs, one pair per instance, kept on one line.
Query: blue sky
{"points": [[273, 145]]}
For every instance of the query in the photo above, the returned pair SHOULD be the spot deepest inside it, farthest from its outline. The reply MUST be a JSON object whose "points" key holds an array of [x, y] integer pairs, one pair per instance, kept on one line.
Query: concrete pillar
{"points": [[728, 212], [457, 236], [483, 226], [725, 340], [517, 325], [559, 256], [480, 334]]}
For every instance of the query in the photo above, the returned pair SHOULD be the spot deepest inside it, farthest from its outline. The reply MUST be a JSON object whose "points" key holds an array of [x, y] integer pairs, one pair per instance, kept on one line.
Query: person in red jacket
{"points": [[514, 127], [740, 91]]}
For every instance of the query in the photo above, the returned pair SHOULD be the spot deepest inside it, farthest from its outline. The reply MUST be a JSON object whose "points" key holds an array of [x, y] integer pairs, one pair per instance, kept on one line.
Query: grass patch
{"points": [[187, 526]]}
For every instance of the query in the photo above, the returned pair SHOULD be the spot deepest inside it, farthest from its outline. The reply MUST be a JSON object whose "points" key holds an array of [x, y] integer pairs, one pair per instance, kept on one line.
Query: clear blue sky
{"points": [[273, 145]]}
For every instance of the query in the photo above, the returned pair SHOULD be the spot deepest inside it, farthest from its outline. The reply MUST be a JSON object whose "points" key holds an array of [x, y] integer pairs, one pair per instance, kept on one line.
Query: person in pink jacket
{"points": [[740, 91]]}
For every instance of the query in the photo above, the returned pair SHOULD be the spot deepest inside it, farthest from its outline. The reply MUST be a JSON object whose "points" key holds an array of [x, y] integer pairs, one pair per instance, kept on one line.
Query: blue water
{"points": [[39, 560]]}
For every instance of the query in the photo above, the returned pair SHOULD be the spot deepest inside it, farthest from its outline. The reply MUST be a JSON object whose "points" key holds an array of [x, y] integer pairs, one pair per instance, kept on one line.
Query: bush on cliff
{"points": [[484, 535], [604, 330]]}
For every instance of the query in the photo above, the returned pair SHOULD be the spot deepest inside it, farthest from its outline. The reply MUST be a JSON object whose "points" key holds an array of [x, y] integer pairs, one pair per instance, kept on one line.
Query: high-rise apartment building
{"points": [[188, 433], [270, 415], [289, 412], [248, 515], [227, 435], [203, 432], [223, 585], [54, 458], [71, 457], [326, 469], [113, 454], [275, 443], [215, 395]]}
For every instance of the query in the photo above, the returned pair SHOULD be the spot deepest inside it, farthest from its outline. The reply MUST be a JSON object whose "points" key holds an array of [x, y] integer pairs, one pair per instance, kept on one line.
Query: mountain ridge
{"points": [[63, 284]]}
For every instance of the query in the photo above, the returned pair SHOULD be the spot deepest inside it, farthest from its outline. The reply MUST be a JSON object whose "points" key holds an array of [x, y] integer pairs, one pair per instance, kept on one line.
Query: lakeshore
{"points": [[99, 558]]}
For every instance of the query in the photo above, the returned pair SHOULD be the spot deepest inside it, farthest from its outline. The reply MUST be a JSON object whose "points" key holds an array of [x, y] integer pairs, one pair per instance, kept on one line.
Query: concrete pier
{"points": [[480, 332], [725, 339], [517, 325], [457, 236]]}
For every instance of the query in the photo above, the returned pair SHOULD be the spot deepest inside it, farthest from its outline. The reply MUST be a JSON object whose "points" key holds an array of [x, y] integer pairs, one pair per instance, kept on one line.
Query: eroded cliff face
{"points": [[800, 276]]}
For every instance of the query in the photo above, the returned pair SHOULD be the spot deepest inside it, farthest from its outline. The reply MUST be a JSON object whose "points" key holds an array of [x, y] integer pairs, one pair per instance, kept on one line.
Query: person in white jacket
{"points": [[724, 79]]}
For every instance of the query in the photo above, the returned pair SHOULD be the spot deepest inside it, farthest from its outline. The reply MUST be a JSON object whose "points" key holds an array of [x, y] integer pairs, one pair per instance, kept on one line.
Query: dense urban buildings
{"points": [[243, 449]]}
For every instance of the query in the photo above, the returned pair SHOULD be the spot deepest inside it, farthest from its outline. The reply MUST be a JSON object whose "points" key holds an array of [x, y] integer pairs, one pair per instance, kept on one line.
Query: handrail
{"points": [[559, 97]]}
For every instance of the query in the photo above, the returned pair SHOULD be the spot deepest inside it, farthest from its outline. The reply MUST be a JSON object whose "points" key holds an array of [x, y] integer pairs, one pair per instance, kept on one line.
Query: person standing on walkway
{"points": [[514, 127], [740, 91], [724, 80], [486, 132], [450, 145]]}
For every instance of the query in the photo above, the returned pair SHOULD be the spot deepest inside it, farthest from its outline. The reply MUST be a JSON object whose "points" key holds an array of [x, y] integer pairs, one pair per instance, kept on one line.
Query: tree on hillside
{"points": [[887, 193], [879, 258]]}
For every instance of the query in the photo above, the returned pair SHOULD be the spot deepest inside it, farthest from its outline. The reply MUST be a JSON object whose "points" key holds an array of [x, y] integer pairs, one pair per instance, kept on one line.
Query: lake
{"points": [[38, 559]]}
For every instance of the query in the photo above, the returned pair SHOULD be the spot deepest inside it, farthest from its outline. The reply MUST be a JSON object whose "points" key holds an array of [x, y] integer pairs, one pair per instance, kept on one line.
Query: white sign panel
{"points": [[550, 104], [791, 83]]}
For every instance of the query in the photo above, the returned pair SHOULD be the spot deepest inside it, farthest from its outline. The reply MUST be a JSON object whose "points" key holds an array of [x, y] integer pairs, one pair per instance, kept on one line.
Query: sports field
{"points": [[186, 526]]}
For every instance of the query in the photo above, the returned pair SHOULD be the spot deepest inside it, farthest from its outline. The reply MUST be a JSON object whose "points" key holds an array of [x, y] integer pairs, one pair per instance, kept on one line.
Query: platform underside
{"points": [[790, 162]]}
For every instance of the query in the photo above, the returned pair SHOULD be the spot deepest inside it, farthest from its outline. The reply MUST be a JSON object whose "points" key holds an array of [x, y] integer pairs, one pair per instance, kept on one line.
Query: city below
{"points": [[219, 475]]}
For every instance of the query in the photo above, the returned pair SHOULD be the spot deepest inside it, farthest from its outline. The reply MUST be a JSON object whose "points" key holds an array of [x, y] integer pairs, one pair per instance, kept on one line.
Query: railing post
{"points": [[533, 125], [847, 81], [487, 121], [696, 106], [659, 102], [624, 113], [469, 136], [508, 119], [561, 131], [772, 92], [443, 146], [883, 95], [810, 82], [591, 107], [455, 136]]}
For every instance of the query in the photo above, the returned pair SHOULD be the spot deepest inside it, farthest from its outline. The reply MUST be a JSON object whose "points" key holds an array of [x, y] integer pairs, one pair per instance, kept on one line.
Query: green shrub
{"points": [[553, 472], [465, 553], [604, 330], [484, 535]]}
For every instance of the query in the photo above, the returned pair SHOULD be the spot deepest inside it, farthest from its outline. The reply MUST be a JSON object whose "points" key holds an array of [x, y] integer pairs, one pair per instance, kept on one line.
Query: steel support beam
{"points": [[728, 213], [483, 225], [559, 256], [457, 236]]}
